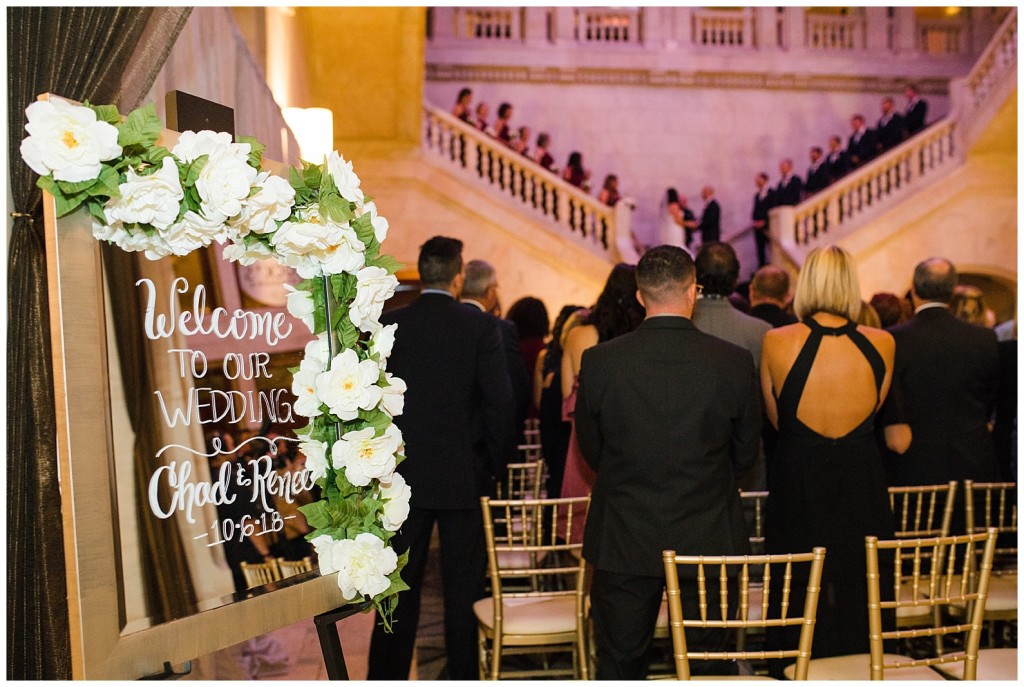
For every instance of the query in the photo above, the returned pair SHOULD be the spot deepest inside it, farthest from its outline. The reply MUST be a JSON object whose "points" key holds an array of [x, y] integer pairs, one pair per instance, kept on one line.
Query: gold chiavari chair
{"points": [[712, 575], [531, 430], [548, 618], [257, 574], [931, 585], [289, 568]]}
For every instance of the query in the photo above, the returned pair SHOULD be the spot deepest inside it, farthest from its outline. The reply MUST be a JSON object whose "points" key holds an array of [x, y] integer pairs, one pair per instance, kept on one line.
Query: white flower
{"points": [[316, 355], [373, 286], [346, 255], [365, 456], [239, 252], [363, 564], [383, 342], [380, 225], [67, 140], [223, 184], [272, 202], [326, 553], [344, 178], [300, 305], [192, 145], [316, 457], [350, 385], [192, 232], [396, 507], [307, 403], [154, 245], [153, 199], [393, 398], [309, 237]]}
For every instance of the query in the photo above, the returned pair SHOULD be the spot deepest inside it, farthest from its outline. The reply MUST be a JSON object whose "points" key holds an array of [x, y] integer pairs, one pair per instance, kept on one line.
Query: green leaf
{"points": [[141, 127], [375, 418], [388, 262], [68, 204], [348, 335], [70, 188], [106, 113], [363, 227], [194, 169], [255, 152], [316, 514], [107, 184], [95, 208], [155, 155], [336, 207], [311, 175], [48, 184], [297, 181]]}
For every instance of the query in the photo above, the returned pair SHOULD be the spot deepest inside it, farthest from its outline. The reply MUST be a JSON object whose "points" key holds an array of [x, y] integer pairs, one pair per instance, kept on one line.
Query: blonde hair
{"points": [[828, 283], [968, 304]]}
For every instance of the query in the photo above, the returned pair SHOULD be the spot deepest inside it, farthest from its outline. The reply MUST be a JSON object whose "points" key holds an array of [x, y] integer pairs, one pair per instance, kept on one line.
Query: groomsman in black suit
{"points": [[916, 111], [480, 291], [667, 416], [458, 433], [863, 143], [946, 375], [837, 160], [759, 217], [711, 218], [789, 189], [818, 176], [891, 128]]}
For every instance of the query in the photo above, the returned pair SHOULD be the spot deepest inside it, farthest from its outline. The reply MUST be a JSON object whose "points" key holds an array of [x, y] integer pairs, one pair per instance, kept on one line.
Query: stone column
{"points": [[904, 30], [535, 26], [562, 24], [443, 29], [766, 35], [877, 30], [794, 28]]}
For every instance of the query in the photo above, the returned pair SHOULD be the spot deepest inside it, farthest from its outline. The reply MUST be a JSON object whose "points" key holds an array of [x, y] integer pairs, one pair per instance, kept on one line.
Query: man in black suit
{"points": [[837, 159], [458, 435], [711, 218], [480, 291], [690, 226], [818, 176], [891, 128], [769, 296], [916, 111], [790, 186], [863, 143], [759, 217], [945, 377], [667, 416]]}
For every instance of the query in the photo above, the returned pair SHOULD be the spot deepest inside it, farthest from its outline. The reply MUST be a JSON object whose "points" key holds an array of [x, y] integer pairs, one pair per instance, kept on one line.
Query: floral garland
{"points": [[143, 197]]}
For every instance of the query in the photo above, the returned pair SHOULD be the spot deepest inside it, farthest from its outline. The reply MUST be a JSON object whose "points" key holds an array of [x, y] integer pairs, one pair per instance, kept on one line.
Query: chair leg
{"points": [[496, 656]]}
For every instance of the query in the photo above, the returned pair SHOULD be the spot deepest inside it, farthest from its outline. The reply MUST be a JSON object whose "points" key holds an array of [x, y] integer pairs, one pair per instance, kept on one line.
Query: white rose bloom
{"points": [[272, 202], [396, 507], [300, 305], [393, 398], [246, 255], [192, 145], [316, 457], [312, 237], [326, 553], [307, 403], [154, 245], [346, 255], [344, 178], [223, 183], [192, 232], [349, 386], [67, 140], [363, 564], [365, 456], [380, 225], [153, 199], [316, 355], [383, 342], [307, 266], [373, 286]]}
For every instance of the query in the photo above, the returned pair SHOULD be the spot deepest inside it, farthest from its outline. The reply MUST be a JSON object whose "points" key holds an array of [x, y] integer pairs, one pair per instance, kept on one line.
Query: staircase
{"points": [[871, 207]]}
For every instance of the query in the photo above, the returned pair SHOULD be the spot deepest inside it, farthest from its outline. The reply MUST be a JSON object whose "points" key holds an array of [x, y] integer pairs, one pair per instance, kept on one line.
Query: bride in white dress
{"points": [[670, 231]]}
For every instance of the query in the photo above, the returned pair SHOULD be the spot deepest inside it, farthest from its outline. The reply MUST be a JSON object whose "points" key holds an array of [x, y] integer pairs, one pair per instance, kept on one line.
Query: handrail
{"points": [[570, 212], [993, 62]]}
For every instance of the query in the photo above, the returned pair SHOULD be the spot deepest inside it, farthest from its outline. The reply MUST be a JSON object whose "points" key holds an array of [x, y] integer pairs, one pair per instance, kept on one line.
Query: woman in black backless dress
{"points": [[823, 379]]}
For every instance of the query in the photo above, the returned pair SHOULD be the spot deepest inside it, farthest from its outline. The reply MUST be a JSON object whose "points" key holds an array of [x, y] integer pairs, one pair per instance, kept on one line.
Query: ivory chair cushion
{"points": [[858, 667], [526, 616], [1002, 594], [993, 664]]}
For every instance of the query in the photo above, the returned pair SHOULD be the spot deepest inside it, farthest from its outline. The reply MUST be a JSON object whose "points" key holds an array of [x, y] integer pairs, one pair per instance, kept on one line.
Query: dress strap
{"points": [[874, 359], [796, 380]]}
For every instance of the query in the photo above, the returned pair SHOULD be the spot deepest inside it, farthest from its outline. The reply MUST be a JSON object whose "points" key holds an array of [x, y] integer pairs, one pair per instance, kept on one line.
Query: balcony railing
{"points": [[836, 33], [941, 36], [488, 24], [734, 29], [568, 211], [598, 25], [999, 57]]}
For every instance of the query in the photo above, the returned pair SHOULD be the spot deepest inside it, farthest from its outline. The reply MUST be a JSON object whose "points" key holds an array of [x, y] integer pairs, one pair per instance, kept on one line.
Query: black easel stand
{"points": [[330, 644]]}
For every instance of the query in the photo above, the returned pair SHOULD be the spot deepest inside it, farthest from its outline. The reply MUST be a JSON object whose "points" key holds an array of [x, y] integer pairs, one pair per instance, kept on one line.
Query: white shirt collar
{"points": [[470, 301], [930, 304]]}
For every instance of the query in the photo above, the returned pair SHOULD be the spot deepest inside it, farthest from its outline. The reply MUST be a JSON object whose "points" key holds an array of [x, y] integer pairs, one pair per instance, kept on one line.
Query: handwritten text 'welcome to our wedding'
{"points": [[207, 405]]}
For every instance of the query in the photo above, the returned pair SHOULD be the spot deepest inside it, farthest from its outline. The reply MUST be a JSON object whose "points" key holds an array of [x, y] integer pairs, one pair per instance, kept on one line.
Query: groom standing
{"points": [[667, 416]]}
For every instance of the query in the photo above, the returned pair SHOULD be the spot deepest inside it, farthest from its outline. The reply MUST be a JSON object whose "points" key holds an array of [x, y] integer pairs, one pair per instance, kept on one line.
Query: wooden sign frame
{"points": [[100, 646]]}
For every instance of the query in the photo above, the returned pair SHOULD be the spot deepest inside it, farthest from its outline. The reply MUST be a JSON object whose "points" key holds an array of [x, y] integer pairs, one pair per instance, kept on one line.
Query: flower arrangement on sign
{"points": [[144, 197]]}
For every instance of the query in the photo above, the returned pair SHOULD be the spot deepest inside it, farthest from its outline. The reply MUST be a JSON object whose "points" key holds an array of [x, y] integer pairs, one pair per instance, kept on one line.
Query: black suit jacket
{"points": [[947, 373], [772, 314], [519, 379], [915, 116], [819, 178], [891, 133], [711, 222], [861, 150], [667, 416], [457, 421], [761, 208], [838, 165], [788, 193]]}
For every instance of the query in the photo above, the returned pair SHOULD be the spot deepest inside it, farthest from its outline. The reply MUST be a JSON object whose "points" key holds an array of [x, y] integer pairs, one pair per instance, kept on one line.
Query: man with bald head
{"points": [[944, 383], [711, 218], [769, 296]]}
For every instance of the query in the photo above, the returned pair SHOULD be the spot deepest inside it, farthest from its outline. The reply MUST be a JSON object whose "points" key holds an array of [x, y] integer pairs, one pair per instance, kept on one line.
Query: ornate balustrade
{"points": [[941, 36], [835, 32], [729, 28], [490, 24], [606, 25], [994, 63], [570, 212]]}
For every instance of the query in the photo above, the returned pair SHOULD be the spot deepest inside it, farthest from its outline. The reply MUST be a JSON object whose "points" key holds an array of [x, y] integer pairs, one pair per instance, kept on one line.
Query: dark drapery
{"points": [[80, 53]]}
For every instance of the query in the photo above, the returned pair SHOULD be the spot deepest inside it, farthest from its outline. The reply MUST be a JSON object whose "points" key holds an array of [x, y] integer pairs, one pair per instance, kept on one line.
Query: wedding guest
{"points": [[670, 231], [530, 317], [666, 416], [890, 308], [891, 128], [968, 304], [868, 316], [759, 217], [541, 155], [863, 143], [837, 159], [482, 112], [575, 173], [790, 186], [818, 176], [609, 194], [462, 108], [502, 127], [823, 380], [521, 142], [711, 218], [769, 296], [916, 111]]}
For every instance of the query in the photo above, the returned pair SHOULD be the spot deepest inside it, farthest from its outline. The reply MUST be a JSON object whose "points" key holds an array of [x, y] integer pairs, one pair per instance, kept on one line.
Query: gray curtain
{"points": [[80, 53]]}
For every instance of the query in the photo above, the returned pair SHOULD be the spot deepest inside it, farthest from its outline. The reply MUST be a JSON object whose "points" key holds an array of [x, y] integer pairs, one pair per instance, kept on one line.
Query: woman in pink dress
{"points": [[616, 312]]}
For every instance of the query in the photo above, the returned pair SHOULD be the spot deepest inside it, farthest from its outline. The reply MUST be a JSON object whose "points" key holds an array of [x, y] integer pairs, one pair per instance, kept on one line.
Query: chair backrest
{"points": [[994, 504], [930, 586], [531, 430], [289, 568], [257, 574], [529, 452], [551, 554], [522, 481], [923, 511], [713, 573], [753, 503]]}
